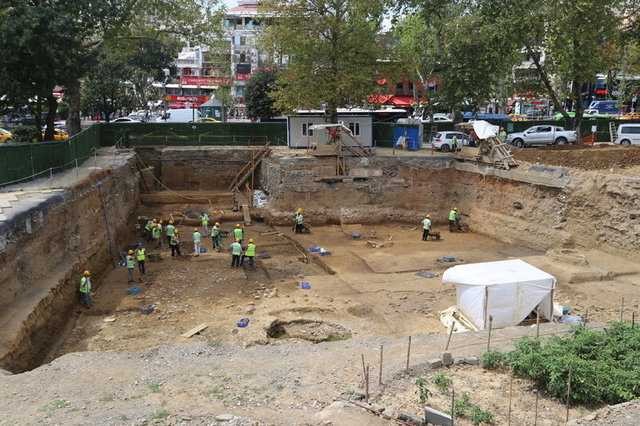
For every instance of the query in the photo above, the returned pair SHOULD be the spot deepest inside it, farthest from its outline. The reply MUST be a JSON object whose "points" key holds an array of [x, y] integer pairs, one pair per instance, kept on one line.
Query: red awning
{"points": [[402, 101]]}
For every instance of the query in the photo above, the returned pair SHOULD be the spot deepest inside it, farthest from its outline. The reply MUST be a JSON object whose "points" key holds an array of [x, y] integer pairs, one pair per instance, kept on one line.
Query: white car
{"points": [[546, 134], [628, 134], [449, 141], [181, 115], [125, 120], [438, 118]]}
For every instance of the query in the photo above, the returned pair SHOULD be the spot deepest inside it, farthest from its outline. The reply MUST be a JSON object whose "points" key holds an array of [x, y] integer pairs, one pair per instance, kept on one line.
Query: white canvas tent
{"points": [[507, 290]]}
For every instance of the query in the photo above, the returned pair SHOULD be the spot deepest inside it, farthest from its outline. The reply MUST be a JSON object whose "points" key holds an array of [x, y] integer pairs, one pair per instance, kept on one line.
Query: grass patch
{"points": [[442, 382], [155, 387], [463, 407], [160, 414], [423, 391], [57, 404]]}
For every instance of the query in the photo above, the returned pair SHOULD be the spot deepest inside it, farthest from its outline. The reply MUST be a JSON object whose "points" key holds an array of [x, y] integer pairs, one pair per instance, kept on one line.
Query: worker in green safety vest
{"points": [[197, 241], [204, 221], [149, 229], [170, 230], [216, 236], [238, 234], [85, 289], [250, 254], [131, 264], [157, 234], [141, 257], [298, 221], [236, 253], [454, 220]]}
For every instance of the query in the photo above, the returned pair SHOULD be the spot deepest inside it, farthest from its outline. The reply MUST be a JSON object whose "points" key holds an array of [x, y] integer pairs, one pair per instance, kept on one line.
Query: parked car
{"points": [[438, 118], [5, 135], [628, 134], [208, 120], [444, 141], [542, 135], [181, 115], [58, 135], [125, 120]]}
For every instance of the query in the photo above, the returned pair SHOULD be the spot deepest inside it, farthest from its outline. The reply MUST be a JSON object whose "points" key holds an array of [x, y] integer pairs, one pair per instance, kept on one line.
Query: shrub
{"points": [[442, 382], [604, 364], [493, 360]]}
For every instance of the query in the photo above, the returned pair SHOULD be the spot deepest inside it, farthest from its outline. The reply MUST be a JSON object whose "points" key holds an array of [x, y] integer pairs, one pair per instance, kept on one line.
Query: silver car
{"points": [[545, 134]]}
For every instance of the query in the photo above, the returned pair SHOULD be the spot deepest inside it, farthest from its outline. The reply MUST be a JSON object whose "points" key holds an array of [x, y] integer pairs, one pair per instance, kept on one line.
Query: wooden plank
{"points": [[246, 214], [195, 330]]}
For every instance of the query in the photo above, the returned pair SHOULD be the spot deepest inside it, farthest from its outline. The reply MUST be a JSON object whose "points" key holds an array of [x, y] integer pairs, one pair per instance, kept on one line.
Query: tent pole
{"points": [[486, 304]]}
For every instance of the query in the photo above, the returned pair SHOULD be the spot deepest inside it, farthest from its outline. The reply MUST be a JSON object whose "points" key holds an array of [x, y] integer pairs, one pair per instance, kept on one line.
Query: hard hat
{"points": [[237, 225], [217, 224], [250, 240], [455, 208], [195, 229], [171, 222], [429, 216], [300, 210], [155, 220], [86, 273], [130, 251]]}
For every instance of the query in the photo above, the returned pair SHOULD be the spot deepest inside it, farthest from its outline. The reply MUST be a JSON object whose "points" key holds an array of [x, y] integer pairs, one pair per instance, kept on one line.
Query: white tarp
{"points": [[507, 290], [485, 130]]}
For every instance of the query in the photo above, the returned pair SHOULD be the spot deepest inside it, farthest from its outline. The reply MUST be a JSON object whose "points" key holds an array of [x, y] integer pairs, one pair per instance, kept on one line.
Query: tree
{"points": [[260, 104], [332, 50], [103, 90]]}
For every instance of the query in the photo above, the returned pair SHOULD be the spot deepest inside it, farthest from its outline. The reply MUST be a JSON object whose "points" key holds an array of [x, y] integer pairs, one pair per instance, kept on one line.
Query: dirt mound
{"points": [[313, 331], [582, 157]]}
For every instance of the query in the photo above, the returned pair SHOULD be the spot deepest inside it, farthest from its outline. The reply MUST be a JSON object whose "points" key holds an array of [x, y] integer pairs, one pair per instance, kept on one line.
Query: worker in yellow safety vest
{"points": [[197, 241], [156, 232], [204, 221], [238, 233], [298, 221], [85, 289], [131, 264], [250, 254], [141, 257], [454, 220]]}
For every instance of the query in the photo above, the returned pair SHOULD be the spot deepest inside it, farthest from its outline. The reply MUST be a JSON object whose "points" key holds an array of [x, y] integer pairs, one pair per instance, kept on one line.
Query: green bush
{"points": [[605, 365], [26, 134], [493, 360]]}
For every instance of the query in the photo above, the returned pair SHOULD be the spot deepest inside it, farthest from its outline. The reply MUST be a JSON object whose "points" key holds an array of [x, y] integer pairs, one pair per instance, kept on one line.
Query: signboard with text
{"points": [[205, 81]]}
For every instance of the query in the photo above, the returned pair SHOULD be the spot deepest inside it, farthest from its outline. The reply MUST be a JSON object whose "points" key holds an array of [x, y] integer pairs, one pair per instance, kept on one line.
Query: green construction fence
{"points": [[193, 134], [26, 161]]}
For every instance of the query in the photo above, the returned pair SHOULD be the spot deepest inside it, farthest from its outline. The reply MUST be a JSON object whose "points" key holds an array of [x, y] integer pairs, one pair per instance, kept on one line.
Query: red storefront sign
{"points": [[177, 101], [205, 81], [243, 77]]}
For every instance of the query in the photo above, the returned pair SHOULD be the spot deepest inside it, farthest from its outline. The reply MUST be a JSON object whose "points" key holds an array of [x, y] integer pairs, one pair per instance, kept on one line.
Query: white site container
{"points": [[507, 290]]}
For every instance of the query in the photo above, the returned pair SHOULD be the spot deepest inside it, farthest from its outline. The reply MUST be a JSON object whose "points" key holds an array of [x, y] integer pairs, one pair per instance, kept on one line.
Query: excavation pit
{"points": [[309, 330]]}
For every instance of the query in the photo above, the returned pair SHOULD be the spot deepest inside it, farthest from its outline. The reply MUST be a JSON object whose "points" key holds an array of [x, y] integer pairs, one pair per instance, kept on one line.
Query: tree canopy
{"points": [[333, 49], [258, 98]]}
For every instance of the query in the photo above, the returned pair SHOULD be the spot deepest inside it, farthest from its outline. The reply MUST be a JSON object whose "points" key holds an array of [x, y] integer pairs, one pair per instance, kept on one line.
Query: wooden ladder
{"points": [[613, 131], [501, 155], [249, 168]]}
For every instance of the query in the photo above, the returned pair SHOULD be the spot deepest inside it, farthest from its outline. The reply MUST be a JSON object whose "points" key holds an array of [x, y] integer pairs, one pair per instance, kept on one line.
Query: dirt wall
{"points": [[43, 261], [196, 168]]}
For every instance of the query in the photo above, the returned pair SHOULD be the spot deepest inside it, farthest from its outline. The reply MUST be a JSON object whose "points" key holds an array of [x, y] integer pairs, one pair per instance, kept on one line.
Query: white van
{"points": [[183, 115], [628, 134]]}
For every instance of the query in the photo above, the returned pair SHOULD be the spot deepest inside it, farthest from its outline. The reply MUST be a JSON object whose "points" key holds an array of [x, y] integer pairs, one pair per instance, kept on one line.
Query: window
{"points": [[355, 128], [630, 130], [544, 129], [243, 40], [306, 129]]}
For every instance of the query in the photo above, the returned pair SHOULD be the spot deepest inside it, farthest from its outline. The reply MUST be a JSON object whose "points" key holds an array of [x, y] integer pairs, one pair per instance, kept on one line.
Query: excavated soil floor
{"points": [[356, 290]]}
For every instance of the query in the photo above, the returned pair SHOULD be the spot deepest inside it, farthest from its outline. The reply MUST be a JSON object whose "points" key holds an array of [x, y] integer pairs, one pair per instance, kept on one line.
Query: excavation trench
{"points": [[87, 225]]}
